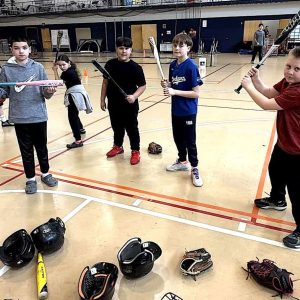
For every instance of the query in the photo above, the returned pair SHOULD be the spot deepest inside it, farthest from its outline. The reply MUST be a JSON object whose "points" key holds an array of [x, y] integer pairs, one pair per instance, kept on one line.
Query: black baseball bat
{"points": [[283, 35], [107, 76]]}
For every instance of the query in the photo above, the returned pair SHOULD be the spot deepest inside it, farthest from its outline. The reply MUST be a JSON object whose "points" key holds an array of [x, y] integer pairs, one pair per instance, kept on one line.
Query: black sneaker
{"points": [[292, 240], [7, 123], [74, 145], [269, 203], [82, 131]]}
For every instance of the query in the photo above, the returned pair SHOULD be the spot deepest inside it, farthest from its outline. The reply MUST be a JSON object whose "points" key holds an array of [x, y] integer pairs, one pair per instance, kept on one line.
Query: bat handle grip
{"points": [[238, 89]]}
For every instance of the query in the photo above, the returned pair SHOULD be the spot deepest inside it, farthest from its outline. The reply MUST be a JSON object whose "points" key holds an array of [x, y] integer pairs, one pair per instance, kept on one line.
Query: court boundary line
{"points": [[164, 216]]}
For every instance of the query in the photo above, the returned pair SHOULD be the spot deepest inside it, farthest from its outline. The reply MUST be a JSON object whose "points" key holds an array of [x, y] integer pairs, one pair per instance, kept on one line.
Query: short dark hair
{"points": [[261, 24], [123, 41], [295, 52], [17, 39], [182, 38]]}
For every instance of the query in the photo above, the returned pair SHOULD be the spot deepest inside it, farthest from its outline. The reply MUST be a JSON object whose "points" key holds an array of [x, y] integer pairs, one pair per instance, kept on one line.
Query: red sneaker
{"points": [[135, 157], [115, 150]]}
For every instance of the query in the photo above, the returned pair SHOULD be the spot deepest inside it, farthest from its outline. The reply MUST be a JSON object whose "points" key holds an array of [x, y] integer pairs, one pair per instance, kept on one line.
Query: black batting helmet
{"points": [[136, 259], [49, 237], [17, 250], [98, 282]]}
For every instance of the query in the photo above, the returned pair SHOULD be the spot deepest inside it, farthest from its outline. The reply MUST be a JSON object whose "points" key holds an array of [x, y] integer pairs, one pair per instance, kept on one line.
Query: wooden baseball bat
{"points": [[41, 278], [60, 34], [156, 55], [49, 83]]}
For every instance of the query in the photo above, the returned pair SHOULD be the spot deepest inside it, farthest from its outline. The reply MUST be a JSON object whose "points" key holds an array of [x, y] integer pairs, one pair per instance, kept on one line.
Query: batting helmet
{"points": [[17, 250], [136, 259], [49, 237], [98, 282]]}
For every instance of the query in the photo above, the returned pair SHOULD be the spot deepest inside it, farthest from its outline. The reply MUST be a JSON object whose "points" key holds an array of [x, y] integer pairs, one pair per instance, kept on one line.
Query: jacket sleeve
{"points": [[4, 90], [44, 89]]}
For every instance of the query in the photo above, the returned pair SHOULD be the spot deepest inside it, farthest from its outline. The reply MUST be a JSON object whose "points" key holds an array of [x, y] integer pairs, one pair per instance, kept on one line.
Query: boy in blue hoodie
{"points": [[27, 110]]}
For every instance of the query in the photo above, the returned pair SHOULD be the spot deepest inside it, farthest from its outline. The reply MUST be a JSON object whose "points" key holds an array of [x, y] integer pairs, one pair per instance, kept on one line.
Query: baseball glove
{"points": [[269, 275], [195, 262], [171, 296], [154, 148]]}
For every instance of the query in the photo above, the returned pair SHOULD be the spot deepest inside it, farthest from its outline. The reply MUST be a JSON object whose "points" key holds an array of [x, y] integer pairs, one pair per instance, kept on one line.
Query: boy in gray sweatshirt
{"points": [[27, 110]]}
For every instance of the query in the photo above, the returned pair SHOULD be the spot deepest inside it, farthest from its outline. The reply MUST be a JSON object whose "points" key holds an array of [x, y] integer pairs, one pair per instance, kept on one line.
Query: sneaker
{"points": [[31, 187], [269, 203], [7, 123], [49, 180], [196, 178], [252, 62], [74, 145], [82, 131], [292, 240], [135, 157], [115, 150], [178, 166]]}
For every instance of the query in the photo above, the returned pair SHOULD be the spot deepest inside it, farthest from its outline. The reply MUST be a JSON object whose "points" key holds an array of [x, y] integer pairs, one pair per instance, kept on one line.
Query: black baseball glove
{"points": [[154, 148], [266, 273]]}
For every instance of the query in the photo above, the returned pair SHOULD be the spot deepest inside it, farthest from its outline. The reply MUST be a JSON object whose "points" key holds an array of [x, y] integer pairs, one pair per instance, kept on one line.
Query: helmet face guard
{"points": [[17, 250], [49, 237], [136, 259], [98, 282]]}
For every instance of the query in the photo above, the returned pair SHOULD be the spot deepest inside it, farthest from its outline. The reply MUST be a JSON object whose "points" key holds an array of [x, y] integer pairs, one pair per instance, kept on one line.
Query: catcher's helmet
{"points": [[17, 250], [49, 237], [136, 259], [98, 282]]}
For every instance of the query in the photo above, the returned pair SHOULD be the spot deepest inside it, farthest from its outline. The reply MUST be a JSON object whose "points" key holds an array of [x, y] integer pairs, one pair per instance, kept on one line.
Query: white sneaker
{"points": [[178, 166], [196, 177]]}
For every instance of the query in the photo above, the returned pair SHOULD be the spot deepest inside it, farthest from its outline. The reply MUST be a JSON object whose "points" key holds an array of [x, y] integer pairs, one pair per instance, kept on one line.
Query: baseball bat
{"points": [[156, 55], [41, 278], [107, 76], [60, 34], [283, 35], [49, 83]]}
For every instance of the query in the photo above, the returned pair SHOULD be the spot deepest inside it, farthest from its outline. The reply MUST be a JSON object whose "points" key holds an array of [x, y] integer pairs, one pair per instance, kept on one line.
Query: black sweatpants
{"points": [[255, 50], [184, 134], [74, 120], [32, 136], [284, 172], [123, 119]]}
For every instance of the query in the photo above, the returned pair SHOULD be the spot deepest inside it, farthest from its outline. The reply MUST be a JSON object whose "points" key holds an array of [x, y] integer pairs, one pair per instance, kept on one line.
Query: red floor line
{"points": [[167, 197], [130, 195], [12, 178]]}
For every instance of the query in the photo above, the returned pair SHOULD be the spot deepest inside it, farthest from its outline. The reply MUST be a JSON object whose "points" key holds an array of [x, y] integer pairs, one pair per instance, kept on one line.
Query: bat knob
{"points": [[237, 91]]}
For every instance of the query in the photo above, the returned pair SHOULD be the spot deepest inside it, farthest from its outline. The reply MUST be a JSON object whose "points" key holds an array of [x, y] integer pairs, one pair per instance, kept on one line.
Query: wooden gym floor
{"points": [[104, 202]]}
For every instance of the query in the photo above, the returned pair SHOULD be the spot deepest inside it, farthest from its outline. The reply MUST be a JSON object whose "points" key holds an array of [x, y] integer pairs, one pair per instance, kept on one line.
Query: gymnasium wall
{"points": [[224, 23]]}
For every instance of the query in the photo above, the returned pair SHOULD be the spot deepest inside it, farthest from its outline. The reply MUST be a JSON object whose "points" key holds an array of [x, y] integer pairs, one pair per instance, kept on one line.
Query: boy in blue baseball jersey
{"points": [[184, 88]]}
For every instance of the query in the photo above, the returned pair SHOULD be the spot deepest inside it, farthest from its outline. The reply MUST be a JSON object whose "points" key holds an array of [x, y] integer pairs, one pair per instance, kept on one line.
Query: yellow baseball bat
{"points": [[41, 278]]}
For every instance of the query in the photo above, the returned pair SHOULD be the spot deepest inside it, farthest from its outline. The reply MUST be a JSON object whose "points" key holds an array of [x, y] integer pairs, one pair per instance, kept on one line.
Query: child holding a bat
{"points": [[284, 165], [123, 111], [76, 97], [184, 88], [27, 110]]}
